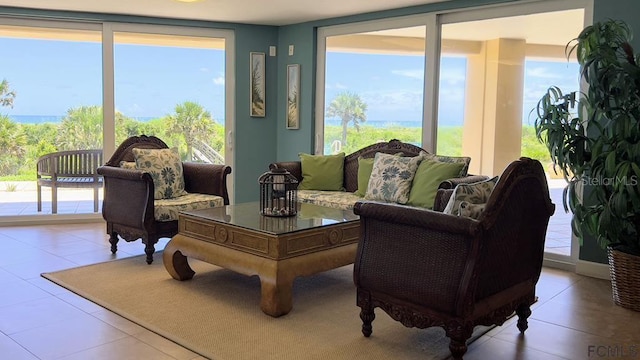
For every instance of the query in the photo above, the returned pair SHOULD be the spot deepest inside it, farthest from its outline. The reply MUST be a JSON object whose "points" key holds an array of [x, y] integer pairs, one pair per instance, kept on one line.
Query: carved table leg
{"points": [[277, 295], [113, 240], [176, 264]]}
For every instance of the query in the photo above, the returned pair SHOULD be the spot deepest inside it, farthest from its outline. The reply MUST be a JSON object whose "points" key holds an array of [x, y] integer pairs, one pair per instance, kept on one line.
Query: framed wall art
{"points": [[293, 96], [257, 96]]}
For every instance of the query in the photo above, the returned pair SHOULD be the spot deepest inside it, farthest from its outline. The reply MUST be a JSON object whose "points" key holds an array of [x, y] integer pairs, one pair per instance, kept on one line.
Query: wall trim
{"points": [[559, 264], [593, 269]]}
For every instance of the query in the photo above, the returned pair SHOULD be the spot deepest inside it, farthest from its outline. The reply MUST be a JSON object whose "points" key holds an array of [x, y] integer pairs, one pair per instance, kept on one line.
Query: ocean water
{"points": [[36, 119], [378, 123], [41, 119]]}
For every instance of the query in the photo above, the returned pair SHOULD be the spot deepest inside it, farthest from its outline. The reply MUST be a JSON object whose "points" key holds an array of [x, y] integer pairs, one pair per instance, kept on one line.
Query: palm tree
{"points": [[193, 122], [6, 95], [81, 128], [349, 107], [12, 145]]}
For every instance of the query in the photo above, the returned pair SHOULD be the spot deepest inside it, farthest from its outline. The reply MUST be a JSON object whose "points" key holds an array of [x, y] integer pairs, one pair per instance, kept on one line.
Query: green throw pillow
{"points": [[450, 159], [429, 175], [365, 166], [322, 172], [165, 168]]}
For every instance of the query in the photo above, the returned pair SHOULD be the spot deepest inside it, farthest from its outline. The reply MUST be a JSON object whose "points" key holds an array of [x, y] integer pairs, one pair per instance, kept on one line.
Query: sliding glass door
{"points": [[500, 67], [50, 101], [81, 86]]}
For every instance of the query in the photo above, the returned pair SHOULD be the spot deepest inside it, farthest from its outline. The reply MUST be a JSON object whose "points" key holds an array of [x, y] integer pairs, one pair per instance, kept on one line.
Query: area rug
{"points": [[217, 313]]}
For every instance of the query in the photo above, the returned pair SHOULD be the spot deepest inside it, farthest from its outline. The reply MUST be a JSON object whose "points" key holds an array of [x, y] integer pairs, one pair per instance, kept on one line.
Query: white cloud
{"points": [[542, 72], [205, 70], [219, 80], [452, 77], [393, 100], [413, 73]]}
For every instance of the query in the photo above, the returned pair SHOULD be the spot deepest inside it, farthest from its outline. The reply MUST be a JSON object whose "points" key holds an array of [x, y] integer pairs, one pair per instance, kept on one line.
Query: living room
{"points": [[276, 142]]}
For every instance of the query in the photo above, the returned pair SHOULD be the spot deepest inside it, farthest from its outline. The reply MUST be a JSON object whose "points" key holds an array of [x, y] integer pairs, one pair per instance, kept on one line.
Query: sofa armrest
{"points": [[451, 183], [293, 167], [130, 196], [209, 179]]}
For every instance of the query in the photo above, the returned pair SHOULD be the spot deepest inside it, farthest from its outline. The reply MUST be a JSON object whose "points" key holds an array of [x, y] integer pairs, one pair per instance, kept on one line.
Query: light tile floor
{"points": [[40, 320]]}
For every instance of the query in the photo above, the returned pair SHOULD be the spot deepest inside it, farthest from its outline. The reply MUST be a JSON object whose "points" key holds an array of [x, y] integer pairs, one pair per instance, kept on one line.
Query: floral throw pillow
{"points": [[165, 168], [391, 178], [471, 210], [466, 195]]}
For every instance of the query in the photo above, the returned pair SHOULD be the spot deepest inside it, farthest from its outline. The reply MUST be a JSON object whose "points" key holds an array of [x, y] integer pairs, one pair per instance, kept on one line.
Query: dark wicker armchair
{"points": [[425, 268], [128, 206]]}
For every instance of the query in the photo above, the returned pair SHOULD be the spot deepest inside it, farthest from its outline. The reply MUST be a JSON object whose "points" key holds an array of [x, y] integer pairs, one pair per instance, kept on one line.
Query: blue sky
{"points": [[392, 85], [52, 76]]}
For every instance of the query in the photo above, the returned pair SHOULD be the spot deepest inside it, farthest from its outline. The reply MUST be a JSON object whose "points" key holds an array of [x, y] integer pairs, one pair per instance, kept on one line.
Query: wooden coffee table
{"points": [[278, 250]]}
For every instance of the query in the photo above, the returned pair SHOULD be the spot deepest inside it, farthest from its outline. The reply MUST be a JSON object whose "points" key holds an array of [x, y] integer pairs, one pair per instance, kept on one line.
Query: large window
{"points": [[172, 87], [76, 86], [491, 66], [373, 88]]}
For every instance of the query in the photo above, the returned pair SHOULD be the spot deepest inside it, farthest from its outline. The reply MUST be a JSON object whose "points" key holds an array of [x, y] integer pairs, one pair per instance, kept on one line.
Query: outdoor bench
{"points": [[69, 169]]}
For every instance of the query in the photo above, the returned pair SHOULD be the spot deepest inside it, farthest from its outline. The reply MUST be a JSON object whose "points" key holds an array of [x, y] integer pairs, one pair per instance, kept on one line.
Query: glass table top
{"points": [[247, 215]]}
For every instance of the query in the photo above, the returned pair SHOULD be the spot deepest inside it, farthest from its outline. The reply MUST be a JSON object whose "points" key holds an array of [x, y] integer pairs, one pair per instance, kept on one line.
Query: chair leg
{"points": [[149, 249], [54, 200], [113, 240], [523, 311], [95, 199], [367, 315], [39, 188], [458, 336]]}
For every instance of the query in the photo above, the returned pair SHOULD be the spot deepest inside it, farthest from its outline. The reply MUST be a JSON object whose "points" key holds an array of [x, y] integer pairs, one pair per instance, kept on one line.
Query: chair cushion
{"points": [[471, 194], [322, 172], [391, 178], [428, 177], [335, 199], [168, 209], [165, 168]]}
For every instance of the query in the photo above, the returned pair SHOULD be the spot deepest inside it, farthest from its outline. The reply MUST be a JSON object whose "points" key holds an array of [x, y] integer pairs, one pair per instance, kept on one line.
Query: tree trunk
{"points": [[344, 133]]}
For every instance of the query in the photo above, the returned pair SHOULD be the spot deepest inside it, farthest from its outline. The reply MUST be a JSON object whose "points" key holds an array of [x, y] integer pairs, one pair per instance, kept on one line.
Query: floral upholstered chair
{"points": [[146, 185]]}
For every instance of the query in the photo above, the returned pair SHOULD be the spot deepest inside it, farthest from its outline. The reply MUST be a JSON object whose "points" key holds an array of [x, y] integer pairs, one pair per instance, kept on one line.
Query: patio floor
{"points": [[22, 201]]}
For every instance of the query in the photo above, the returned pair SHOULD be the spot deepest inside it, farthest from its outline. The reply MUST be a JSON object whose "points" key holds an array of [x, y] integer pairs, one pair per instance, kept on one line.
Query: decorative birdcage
{"points": [[278, 193]]}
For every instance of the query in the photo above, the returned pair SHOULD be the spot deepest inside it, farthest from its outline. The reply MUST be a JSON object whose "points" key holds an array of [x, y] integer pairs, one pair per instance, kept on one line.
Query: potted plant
{"points": [[593, 138]]}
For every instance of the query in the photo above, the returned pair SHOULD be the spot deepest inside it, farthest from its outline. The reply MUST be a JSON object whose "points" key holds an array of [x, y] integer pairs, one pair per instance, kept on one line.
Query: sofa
{"points": [[346, 194]]}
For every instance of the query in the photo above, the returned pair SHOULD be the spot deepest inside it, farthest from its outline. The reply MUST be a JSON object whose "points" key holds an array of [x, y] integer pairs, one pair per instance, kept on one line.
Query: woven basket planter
{"points": [[625, 278]]}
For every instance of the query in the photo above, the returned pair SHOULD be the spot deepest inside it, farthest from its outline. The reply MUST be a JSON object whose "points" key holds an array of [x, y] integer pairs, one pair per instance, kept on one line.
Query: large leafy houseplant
{"points": [[594, 137]]}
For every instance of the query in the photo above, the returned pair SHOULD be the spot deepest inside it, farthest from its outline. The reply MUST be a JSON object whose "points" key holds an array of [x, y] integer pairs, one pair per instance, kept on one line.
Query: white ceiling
{"points": [[266, 12]]}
